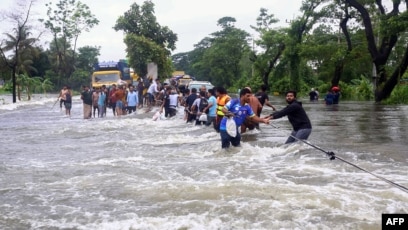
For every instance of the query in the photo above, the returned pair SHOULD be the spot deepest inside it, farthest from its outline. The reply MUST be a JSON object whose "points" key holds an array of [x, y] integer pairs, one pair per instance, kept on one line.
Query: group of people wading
{"points": [[244, 112], [202, 107]]}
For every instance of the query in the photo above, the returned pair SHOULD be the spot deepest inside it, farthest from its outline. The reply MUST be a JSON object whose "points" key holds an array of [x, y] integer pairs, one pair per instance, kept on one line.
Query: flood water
{"points": [[135, 173]]}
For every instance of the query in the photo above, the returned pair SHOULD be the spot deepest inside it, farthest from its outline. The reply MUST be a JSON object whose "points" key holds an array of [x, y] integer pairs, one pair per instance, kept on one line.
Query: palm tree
{"points": [[15, 44], [27, 84], [46, 85], [21, 81], [24, 53]]}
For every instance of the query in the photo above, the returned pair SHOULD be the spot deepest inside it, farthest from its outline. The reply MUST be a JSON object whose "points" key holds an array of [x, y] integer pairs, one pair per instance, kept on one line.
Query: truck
{"points": [[133, 75], [181, 79], [108, 73], [184, 80]]}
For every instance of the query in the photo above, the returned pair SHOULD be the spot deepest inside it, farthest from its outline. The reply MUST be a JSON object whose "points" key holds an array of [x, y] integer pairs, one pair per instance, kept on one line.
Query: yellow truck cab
{"points": [[183, 81], [108, 73], [134, 76]]}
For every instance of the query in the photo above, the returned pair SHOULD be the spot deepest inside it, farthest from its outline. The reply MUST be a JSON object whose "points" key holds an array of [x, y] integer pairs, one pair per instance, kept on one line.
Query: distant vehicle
{"points": [[198, 84], [182, 81], [134, 76], [108, 73], [178, 73]]}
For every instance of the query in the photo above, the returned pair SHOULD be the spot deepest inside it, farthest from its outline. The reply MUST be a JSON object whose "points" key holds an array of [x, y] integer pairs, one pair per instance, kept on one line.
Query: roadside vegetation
{"points": [[360, 46]]}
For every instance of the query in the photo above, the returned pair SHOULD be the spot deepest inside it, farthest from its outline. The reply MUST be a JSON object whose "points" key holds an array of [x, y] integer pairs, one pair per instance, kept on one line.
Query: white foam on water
{"points": [[36, 99], [135, 173]]}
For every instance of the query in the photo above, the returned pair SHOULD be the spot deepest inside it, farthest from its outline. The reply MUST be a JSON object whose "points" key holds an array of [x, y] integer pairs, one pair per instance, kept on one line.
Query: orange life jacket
{"points": [[221, 102]]}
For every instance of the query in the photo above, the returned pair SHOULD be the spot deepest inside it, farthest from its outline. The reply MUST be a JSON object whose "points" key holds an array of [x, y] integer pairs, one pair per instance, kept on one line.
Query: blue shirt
{"points": [[329, 99], [212, 112], [101, 99], [240, 111], [132, 98]]}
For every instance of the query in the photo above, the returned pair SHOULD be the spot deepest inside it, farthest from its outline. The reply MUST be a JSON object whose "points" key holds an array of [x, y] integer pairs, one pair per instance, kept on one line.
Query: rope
{"points": [[55, 104], [333, 156]]}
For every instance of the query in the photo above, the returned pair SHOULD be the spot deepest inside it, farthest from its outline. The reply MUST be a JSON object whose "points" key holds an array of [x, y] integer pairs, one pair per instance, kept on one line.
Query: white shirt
{"points": [[173, 99], [152, 88], [197, 103]]}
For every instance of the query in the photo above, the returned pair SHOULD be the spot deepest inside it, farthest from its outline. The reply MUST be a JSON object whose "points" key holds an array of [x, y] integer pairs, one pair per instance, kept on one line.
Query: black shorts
{"points": [[113, 105], [67, 105]]}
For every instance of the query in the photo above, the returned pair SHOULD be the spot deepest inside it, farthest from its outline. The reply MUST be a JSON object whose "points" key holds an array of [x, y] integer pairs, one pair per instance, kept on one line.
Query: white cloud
{"points": [[191, 20]]}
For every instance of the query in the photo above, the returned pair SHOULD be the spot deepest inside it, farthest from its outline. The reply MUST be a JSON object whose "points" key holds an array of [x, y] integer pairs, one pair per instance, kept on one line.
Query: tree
{"points": [[183, 61], [221, 54], [41, 63], [27, 84], [298, 28], [66, 23], [142, 51], [87, 57], [17, 45], [272, 43], [340, 62], [393, 25], [198, 67], [46, 85], [145, 39]]}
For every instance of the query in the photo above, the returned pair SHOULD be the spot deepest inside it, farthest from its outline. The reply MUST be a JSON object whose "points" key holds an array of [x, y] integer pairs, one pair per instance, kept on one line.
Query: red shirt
{"points": [[112, 97]]}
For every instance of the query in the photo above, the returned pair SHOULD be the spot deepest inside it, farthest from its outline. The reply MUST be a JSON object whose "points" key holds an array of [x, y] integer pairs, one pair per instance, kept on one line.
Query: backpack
{"points": [[203, 104], [183, 101]]}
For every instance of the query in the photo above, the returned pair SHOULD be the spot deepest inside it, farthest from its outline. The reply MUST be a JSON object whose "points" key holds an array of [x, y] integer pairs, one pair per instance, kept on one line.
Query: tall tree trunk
{"points": [[28, 93], [339, 67], [393, 81], [18, 92], [383, 85], [298, 28], [338, 72], [271, 64]]}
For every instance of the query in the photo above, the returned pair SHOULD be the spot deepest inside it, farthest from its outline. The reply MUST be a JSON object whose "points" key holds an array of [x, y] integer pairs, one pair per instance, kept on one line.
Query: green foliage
{"points": [[359, 89], [363, 89], [282, 85], [141, 21], [309, 52], [21, 47], [41, 64], [398, 96], [88, 55], [317, 53], [254, 83], [46, 85], [67, 20], [27, 85], [241, 83], [142, 50], [79, 78], [221, 58], [80, 75], [7, 87], [181, 61], [145, 39], [272, 43]]}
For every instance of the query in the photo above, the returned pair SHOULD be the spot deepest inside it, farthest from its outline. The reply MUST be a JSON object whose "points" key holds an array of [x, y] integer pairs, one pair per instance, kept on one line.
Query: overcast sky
{"points": [[191, 20]]}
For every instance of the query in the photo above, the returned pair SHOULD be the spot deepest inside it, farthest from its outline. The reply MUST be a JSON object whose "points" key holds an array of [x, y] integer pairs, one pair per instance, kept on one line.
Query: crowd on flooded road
{"points": [[213, 107]]}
